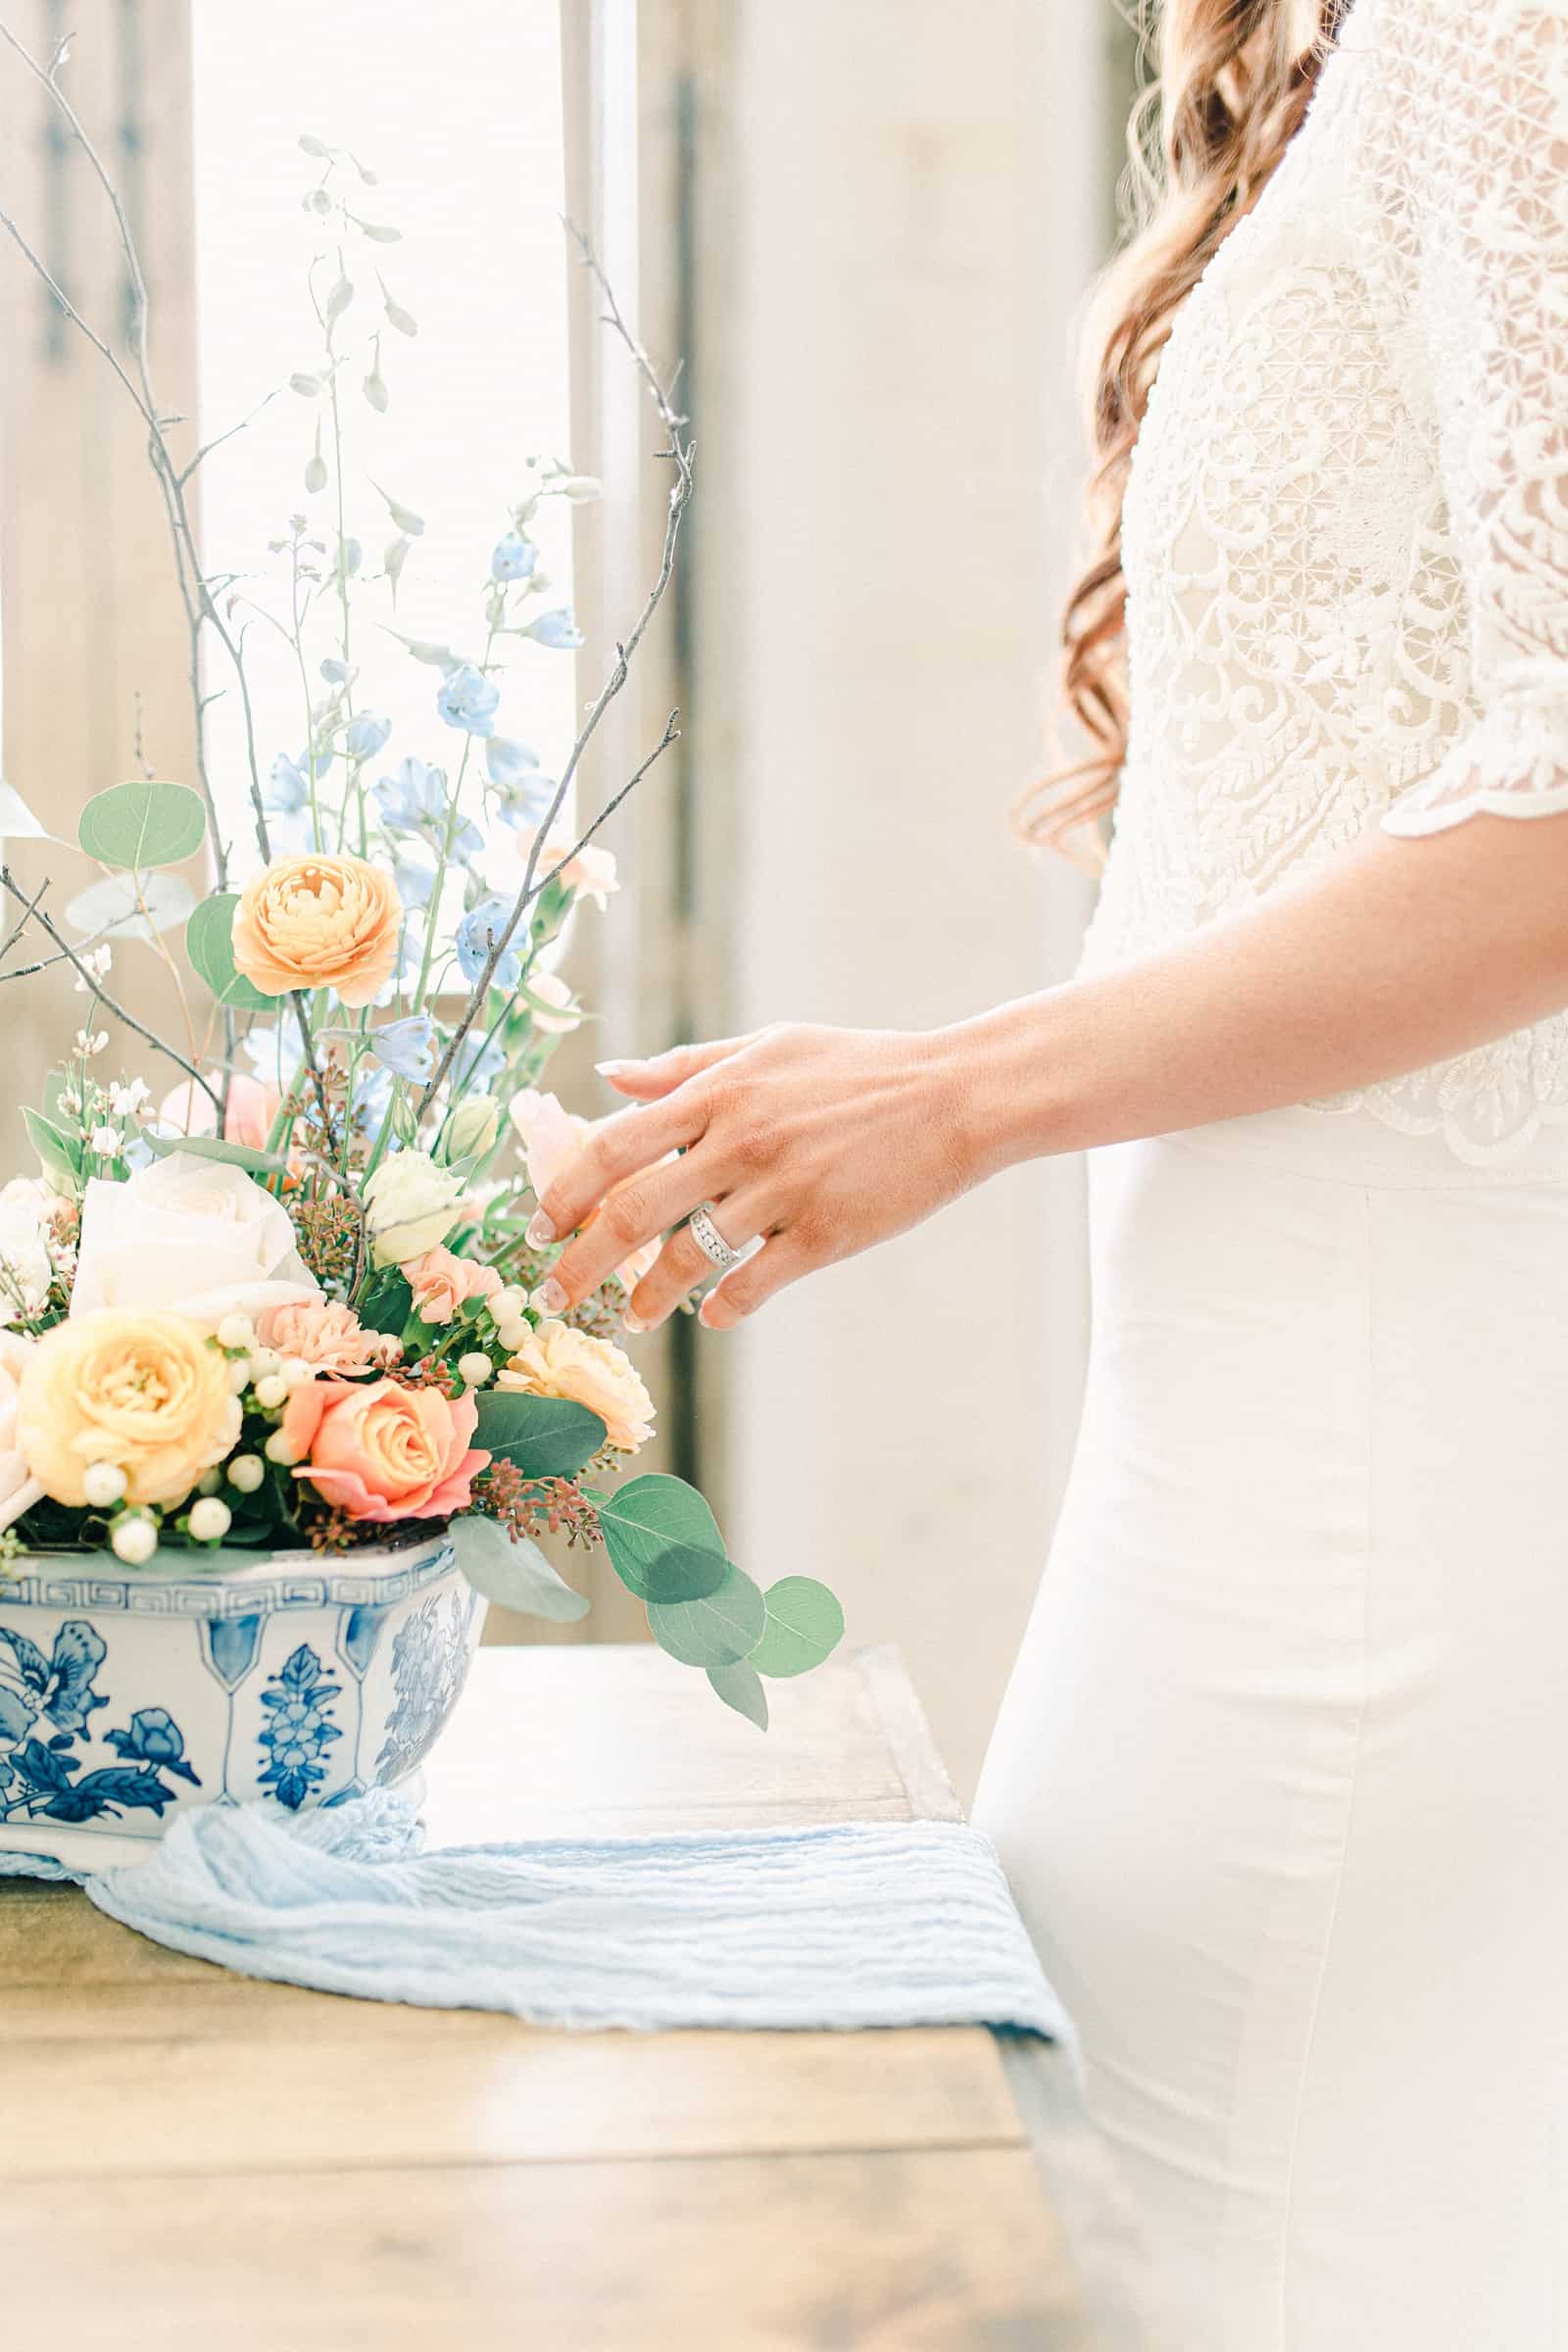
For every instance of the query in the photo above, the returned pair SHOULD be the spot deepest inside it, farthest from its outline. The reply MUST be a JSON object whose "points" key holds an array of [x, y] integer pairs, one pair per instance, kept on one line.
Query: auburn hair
{"points": [[1230, 84]]}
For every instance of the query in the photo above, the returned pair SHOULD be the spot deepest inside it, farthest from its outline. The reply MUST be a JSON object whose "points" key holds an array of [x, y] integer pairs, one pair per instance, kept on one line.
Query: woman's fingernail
{"points": [[632, 1323], [541, 1232], [550, 1297]]}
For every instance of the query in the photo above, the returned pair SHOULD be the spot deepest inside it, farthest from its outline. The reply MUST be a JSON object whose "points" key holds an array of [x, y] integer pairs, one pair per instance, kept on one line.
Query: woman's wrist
{"points": [[999, 1079]]}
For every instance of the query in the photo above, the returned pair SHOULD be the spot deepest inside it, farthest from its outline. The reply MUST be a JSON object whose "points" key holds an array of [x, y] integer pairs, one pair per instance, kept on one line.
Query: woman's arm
{"points": [[1394, 954]]}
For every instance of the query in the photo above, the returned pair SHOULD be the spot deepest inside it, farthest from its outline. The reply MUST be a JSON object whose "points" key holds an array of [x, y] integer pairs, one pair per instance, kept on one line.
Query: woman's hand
{"points": [[816, 1142]]}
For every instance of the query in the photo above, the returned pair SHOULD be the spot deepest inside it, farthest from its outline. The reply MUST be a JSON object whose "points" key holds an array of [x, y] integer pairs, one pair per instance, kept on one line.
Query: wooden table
{"points": [[191, 2160]]}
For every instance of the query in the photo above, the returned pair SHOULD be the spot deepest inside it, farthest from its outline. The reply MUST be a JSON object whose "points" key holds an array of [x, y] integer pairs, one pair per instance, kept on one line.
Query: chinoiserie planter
{"points": [[128, 1696]]}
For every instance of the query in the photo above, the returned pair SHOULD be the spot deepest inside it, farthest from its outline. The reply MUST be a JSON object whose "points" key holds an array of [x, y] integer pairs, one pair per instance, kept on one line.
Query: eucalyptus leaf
{"points": [[542, 1437], [515, 1575], [213, 1146], [386, 1302], [209, 943], [739, 1687], [113, 909], [662, 1540], [805, 1626], [719, 1630], [142, 825]]}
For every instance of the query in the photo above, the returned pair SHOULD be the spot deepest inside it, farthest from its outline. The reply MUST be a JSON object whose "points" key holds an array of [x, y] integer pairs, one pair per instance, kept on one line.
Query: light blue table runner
{"points": [[859, 1924]]}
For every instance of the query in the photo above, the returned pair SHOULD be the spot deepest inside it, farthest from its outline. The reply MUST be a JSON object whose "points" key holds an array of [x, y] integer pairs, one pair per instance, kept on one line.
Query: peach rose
{"points": [[19, 1489], [591, 873], [556, 1361], [441, 1283], [252, 1108], [383, 1451], [146, 1391], [550, 1138], [326, 1334], [319, 923]]}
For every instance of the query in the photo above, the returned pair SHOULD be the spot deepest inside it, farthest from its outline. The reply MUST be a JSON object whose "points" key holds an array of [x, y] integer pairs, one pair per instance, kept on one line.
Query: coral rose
{"points": [[189, 1109], [326, 1334], [319, 923], [145, 1392], [591, 873], [550, 1138], [383, 1451], [441, 1283], [556, 1361]]}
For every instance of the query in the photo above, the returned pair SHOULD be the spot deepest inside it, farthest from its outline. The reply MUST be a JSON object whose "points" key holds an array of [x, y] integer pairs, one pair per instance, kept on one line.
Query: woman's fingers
{"points": [[662, 1073], [635, 1214], [681, 1265], [745, 1289], [620, 1147]]}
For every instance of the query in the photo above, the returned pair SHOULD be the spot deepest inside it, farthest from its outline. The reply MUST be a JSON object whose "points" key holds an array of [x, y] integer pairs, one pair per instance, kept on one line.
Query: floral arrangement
{"points": [[291, 1299]]}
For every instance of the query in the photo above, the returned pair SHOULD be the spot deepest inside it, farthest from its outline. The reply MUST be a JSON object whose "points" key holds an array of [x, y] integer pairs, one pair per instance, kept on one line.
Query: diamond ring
{"points": [[709, 1241]]}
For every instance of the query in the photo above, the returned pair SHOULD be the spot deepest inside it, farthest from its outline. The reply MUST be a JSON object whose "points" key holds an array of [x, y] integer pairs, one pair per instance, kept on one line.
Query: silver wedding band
{"points": [[709, 1241]]}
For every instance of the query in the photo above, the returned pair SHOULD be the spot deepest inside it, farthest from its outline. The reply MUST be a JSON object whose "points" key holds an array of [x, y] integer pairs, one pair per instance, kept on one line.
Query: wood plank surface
{"points": [[266, 2165]]}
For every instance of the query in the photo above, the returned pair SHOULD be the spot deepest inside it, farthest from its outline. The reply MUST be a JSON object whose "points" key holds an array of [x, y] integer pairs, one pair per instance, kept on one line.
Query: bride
{"points": [[1282, 1774]]}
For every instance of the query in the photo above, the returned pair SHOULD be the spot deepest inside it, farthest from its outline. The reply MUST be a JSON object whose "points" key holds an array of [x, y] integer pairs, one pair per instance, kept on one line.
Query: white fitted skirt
{"points": [[1280, 1779]]}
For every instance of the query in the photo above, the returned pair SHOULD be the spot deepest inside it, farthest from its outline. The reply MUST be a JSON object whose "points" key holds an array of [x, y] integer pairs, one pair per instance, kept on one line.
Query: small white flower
{"points": [[105, 1141], [91, 1044], [127, 1100]]}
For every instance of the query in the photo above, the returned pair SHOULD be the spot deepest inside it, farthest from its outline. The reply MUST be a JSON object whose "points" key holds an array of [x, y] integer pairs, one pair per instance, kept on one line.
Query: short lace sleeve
{"points": [[1477, 201]]}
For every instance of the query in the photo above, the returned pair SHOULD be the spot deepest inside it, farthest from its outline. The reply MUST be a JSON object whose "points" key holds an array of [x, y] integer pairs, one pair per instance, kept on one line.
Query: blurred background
{"points": [[864, 233]]}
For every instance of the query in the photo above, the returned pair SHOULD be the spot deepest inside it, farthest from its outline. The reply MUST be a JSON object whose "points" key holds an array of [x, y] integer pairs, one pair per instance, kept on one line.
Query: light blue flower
{"points": [[477, 1060], [557, 629], [413, 796], [477, 933], [287, 787], [513, 559], [275, 1053], [363, 737], [372, 1093], [529, 802], [508, 761], [406, 1046], [413, 872], [469, 699]]}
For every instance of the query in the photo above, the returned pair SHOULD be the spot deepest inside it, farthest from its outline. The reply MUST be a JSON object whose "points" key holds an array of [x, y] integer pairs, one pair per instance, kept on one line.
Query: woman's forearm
{"points": [[1394, 954]]}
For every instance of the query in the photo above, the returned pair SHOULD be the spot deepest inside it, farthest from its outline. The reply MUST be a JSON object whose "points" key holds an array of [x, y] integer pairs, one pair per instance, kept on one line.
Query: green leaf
{"points": [[55, 1148], [213, 1147], [662, 1540], [140, 825], [113, 909], [515, 1575], [386, 1302], [739, 1687], [210, 944], [805, 1626], [544, 1437], [719, 1630]]}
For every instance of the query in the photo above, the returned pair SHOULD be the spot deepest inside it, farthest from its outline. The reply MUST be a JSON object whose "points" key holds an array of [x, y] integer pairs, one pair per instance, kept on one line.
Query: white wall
{"points": [[919, 195]]}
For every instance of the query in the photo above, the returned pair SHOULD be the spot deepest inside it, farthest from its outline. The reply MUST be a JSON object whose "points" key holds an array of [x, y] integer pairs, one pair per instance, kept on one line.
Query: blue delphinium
{"points": [[469, 699], [406, 1046], [412, 797], [514, 558], [365, 736], [508, 761], [477, 933], [557, 629]]}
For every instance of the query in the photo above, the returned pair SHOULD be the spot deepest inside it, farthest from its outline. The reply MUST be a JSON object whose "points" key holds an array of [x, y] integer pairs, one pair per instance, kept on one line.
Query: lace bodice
{"points": [[1346, 529]]}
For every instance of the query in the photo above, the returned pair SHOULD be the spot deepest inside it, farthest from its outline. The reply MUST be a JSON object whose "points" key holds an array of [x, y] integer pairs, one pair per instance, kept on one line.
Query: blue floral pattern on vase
{"points": [[429, 1667], [298, 1730], [38, 1768]]}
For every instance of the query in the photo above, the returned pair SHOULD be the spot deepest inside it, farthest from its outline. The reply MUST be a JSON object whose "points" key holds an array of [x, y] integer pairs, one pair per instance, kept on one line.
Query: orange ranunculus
{"points": [[319, 923], [383, 1451], [143, 1390]]}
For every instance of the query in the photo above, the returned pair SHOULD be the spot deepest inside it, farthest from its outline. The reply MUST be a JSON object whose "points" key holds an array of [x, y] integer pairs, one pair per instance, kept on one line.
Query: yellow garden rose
{"points": [[319, 923], [143, 1390], [556, 1361]]}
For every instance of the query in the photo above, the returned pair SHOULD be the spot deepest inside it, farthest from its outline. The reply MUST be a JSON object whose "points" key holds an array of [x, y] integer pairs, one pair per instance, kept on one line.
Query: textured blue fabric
{"points": [[862, 1923]]}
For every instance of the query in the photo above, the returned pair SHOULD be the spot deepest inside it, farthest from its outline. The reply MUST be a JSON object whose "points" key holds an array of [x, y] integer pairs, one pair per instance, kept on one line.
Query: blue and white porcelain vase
{"points": [[129, 1694]]}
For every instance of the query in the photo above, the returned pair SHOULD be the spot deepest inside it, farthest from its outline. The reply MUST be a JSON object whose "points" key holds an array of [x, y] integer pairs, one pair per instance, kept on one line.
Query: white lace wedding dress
{"points": [[1282, 1774]]}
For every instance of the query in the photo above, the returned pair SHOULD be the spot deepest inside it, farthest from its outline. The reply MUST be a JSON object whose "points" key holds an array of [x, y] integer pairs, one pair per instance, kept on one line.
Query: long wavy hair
{"points": [[1229, 85]]}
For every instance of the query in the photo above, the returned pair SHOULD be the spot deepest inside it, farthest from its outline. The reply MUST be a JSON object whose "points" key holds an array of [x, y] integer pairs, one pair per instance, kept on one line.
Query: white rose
{"points": [[19, 1489], [413, 1206], [25, 1269], [192, 1237]]}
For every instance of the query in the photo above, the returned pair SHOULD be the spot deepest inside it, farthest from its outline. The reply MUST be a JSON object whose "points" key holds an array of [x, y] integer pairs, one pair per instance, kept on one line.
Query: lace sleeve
{"points": [[1477, 200]]}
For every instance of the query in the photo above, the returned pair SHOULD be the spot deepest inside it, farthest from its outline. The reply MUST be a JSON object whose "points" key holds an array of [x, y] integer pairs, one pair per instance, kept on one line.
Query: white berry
{"points": [[134, 1541], [245, 1472], [209, 1519], [239, 1373], [272, 1391], [103, 1483], [279, 1450], [508, 1303], [474, 1369], [512, 1334], [296, 1369], [208, 1481], [236, 1330], [265, 1361]]}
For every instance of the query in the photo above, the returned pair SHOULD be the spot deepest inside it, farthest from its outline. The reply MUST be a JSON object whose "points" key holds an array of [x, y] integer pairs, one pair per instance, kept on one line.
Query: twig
{"points": [[22, 919], [8, 882], [683, 455]]}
